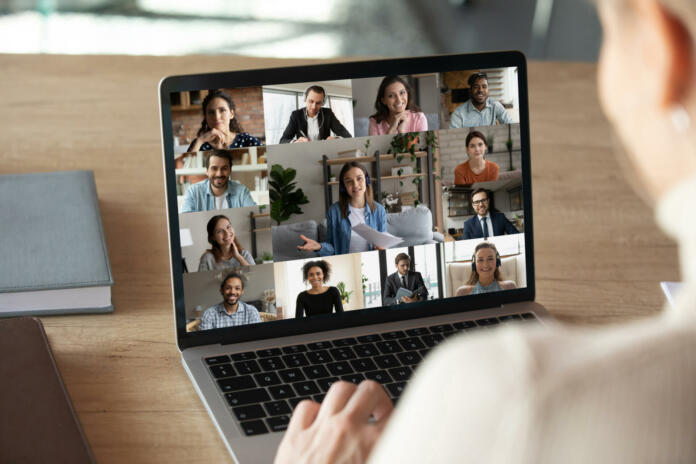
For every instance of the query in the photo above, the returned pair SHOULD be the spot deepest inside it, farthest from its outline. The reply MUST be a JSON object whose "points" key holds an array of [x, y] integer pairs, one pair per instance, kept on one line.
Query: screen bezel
{"points": [[324, 72]]}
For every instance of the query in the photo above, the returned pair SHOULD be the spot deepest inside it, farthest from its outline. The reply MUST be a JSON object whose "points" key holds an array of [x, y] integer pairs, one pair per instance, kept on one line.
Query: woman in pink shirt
{"points": [[396, 112]]}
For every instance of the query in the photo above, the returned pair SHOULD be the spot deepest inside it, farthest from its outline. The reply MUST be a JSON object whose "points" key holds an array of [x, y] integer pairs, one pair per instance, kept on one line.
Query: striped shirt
{"points": [[217, 317]]}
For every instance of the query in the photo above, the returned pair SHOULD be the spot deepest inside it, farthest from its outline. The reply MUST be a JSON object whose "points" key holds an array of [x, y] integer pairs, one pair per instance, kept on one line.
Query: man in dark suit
{"points": [[404, 278], [486, 223], [313, 122]]}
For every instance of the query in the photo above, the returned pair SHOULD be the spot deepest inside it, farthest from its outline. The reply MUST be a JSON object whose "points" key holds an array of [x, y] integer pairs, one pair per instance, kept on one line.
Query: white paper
{"points": [[671, 289], [376, 238]]}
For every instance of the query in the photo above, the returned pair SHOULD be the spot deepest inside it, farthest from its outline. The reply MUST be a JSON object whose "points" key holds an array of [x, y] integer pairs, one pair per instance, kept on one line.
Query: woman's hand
{"points": [[237, 255], [399, 123], [377, 248], [215, 137], [309, 245], [340, 430]]}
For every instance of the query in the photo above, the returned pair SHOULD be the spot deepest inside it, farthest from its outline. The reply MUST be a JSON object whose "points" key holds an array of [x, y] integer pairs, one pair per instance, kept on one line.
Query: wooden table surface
{"points": [[599, 256]]}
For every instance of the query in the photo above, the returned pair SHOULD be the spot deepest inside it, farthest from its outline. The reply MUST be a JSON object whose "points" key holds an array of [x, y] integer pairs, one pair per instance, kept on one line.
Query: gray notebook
{"points": [[53, 257]]}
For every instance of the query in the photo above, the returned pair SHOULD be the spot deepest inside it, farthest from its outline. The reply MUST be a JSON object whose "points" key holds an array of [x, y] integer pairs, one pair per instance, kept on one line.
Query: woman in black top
{"points": [[320, 298]]}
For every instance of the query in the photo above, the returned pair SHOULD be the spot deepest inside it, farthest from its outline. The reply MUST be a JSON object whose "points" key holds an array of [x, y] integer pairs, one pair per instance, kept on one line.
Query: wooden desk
{"points": [[599, 257]]}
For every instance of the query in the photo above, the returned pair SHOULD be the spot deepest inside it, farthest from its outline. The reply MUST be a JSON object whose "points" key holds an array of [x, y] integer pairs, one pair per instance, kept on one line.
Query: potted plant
{"points": [[266, 257], [345, 295], [285, 198]]}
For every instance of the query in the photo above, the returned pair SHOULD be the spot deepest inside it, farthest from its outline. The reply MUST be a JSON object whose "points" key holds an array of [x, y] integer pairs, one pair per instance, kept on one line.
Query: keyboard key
{"points": [[362, 365], [271, 364], [276, 408], [295, 401], [366, 351], [387, 361], [247, 397], [267, 353], [340, 368], [487, 321], [281, 392], [343, 354], [393, 335], [345, 342], [255, 427], [222, 370], [320, 345], [432, 340], [409, 358], [389, 346], [529, 316], [396, 389], [354, 378], [306, 388], [294, 349], [295, 360], [410, 344], [217, 360], [244, 356], [247, 367], [267, 378], [369, 338], [231, 384], [319, 398], [319, 357], [324, 384], [510, 317], [400, 373], [315, 372], [253, 411], [464, 325], [423, 352], [418, 331], [278, 424], [441, 328], [382, 377], [292, 375]]}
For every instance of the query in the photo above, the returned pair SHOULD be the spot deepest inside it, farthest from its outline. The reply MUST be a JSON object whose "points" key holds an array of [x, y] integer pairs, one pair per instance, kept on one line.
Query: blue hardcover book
{"points": [[53, 257]]}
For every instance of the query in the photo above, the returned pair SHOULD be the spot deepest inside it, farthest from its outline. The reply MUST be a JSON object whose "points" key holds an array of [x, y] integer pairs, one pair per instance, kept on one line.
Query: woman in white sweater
{"points": [[623, 394]]}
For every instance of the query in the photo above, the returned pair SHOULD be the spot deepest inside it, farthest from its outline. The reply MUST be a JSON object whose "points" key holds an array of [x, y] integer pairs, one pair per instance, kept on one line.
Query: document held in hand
{"points": [[376, 238]]}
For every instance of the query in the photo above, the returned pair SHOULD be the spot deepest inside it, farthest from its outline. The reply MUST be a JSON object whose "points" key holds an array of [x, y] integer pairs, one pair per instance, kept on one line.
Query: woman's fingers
{"points": [[369, 399]]}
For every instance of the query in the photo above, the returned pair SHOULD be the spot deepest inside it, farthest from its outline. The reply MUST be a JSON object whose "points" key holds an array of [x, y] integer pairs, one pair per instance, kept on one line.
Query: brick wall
{"points": [[453, 148], [249, 102]]}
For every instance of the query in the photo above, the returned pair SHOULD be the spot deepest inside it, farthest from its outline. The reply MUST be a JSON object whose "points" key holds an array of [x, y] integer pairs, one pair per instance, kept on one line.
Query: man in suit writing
{"points": [[404, 278], [313, 122], [486, 223]]}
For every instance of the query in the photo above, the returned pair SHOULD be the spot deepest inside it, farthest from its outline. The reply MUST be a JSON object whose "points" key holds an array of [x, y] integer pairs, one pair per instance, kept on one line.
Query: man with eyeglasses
{"points": [[479, 110], [486, 223]]}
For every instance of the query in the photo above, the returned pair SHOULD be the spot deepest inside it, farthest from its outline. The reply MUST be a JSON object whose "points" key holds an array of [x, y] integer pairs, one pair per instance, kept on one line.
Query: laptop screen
{"points": [[300, 203]]}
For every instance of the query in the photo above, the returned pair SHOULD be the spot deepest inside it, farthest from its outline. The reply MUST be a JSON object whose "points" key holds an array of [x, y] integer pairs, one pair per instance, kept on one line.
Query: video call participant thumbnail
{"points": [[220, 128], [313, 122], [479, 110], [355, 206], [225, 251], [486, 223], [485, 272], [320, 298], [231, 312], [396, 110], [218, 191], [404, 278], [477, 168]]}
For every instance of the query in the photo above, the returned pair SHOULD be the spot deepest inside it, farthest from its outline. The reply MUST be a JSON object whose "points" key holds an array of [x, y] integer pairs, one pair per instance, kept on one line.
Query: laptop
{"points": [[302, 200]]}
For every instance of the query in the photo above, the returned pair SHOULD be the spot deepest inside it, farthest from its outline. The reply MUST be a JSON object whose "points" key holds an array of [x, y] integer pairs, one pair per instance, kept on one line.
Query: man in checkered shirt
{"points": [[231, 312]]}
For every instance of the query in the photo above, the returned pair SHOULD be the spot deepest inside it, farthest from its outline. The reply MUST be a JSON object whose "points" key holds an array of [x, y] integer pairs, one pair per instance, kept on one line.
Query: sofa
{"points": [[413, 225], [512, 268]]}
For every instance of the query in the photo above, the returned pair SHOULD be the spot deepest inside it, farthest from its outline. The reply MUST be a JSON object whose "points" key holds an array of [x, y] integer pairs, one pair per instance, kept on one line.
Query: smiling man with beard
{"points": [[217, 191], [231, 312], [479, 110]]}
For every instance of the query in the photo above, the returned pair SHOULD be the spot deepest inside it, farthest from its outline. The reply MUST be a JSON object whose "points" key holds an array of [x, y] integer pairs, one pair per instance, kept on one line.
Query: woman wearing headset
{"points": [[485, 272], [313, 122], [355, 206]]}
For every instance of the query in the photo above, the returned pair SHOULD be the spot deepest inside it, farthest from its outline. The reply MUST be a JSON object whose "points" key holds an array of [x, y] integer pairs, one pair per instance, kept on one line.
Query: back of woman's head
{"points": [[218, 93], [382, 110]]}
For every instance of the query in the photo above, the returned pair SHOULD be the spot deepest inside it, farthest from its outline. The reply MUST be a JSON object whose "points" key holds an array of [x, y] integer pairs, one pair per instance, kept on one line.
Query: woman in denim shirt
{"points": [[355, 205]]}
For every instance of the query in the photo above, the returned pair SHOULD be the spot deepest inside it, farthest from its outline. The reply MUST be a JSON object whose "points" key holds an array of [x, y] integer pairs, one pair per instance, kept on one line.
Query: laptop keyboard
{"points": [[263, 387]]}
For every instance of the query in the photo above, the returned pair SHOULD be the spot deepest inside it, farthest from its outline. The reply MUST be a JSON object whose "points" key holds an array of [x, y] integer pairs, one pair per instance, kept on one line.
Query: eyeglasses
{"points": [[478, 202]]}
